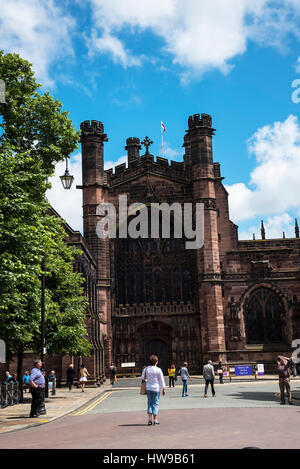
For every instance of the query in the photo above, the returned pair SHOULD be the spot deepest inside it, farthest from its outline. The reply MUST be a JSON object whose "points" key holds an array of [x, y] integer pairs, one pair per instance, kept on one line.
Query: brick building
{"points": [[238, 301], [231, 300]]}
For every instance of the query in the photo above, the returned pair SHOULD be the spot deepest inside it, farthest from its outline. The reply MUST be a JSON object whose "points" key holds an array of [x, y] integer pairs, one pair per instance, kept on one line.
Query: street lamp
{"points": [[67, 179]]}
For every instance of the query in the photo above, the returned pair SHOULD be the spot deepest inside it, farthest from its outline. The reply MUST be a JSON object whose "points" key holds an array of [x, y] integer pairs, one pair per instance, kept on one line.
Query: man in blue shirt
{"points": [[8, 377], [37, 386]]}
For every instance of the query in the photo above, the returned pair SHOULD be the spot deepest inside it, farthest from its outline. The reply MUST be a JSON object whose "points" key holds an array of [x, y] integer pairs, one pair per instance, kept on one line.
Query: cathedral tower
{"points": [[95, 192], [198, 143]]}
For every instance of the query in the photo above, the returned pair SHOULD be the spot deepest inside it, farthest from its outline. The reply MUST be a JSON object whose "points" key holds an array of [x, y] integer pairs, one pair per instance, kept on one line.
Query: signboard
{"points": [[128, 365], [243, 370], [261, 369]]}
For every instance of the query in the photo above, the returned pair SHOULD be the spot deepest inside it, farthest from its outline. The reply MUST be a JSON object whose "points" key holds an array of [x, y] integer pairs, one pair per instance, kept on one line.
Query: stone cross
{"points": [[147, 142]]}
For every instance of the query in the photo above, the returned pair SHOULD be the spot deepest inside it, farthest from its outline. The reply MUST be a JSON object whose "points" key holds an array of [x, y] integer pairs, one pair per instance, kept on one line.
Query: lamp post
{"points": [[43, 348], [67, 181]]}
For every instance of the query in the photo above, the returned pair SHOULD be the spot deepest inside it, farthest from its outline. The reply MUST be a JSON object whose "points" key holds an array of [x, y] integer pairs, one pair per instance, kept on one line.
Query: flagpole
{"points": [[162, 139]]}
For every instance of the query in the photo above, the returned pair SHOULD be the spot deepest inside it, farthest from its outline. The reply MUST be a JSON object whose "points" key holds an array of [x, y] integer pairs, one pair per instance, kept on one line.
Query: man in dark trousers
{"points": [[209, 376], [284, 379], [37, 387], [70, 376]]}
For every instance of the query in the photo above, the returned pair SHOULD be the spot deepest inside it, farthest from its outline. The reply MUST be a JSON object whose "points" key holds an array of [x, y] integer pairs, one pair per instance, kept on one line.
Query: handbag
{"points": [[143, 386]]}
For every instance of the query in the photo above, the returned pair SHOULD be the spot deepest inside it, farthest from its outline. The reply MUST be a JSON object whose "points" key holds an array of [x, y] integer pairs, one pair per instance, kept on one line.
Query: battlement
{"points": [[132, 141], [93, 127], [196, 121], [160, 166]]}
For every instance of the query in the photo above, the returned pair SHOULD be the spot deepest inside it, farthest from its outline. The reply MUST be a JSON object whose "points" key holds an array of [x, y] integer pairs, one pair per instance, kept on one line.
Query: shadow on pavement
{"points": [[134, 425], [18, 417], [258, 396]]}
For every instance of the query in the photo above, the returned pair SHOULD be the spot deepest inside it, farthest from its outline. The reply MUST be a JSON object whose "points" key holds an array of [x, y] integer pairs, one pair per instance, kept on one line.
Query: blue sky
{"points": [[133, 63]]}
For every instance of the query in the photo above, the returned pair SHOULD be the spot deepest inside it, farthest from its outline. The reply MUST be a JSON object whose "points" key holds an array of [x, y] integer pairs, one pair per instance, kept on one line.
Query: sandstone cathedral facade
{"points": [[230, 300]]}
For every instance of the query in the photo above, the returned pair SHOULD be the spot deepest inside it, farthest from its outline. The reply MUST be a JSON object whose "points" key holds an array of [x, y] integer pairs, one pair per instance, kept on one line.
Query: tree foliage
{"points": [[36, 134]]}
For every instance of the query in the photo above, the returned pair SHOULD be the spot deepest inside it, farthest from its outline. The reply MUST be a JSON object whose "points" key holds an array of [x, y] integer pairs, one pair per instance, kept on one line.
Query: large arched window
{"points": [[151, 270], [262, 313]]}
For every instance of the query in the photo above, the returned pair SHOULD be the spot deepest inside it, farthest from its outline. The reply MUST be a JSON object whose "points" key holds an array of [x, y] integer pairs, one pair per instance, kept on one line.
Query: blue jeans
{"points": [[153, 399], [184, 387]]}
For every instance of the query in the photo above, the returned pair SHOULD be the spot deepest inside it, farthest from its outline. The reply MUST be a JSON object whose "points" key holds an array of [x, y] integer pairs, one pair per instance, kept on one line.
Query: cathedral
{"points": [[232, 300]]}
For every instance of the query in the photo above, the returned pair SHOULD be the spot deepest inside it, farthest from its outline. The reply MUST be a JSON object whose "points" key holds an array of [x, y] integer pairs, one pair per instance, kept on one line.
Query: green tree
{"points": [[36, 134]]}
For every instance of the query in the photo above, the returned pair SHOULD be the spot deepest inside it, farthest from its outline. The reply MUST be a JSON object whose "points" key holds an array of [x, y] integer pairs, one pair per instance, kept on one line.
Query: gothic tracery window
{"points": [[152, 271], [263, 317]]}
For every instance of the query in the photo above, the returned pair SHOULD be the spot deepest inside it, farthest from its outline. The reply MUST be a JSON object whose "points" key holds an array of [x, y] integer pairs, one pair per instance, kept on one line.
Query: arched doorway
{"points": [[160, 348], [156, 339]]}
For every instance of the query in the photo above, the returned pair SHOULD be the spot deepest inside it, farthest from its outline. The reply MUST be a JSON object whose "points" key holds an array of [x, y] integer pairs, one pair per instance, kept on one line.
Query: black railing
{"points": [[10, 394]]}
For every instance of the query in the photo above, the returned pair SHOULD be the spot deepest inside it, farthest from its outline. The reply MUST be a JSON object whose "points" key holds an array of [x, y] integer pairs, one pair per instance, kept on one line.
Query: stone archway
{"points": [[160, 348], [156, 339]]}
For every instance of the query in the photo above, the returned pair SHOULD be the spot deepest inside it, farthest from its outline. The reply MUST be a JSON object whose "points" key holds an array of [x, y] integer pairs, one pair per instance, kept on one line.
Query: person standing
{"points": [[155, 383], [37, 387], [25, 380], [220, 372], [83, 375], [209, 376], [8, 377], [52, 382], [284, 379], [113, 373], [70, 376], [172, 373], [184, 374]]}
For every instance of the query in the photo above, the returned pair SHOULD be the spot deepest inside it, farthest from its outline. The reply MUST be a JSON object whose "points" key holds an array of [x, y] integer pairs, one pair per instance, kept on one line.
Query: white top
{"points": [[154, 378]]}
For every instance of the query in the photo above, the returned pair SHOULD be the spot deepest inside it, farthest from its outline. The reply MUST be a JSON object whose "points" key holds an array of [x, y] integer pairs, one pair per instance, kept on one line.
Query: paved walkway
{"points": [[65, 402], [16, 417]]}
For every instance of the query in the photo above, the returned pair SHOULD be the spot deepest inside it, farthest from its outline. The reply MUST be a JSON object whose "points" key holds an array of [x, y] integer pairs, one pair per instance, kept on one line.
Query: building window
{"points": [[263, 317]]}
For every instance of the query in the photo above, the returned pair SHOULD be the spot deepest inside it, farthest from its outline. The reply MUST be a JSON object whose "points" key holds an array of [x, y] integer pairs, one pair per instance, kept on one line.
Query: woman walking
{"points": [[184, 373], [83, 376], [155, 383]]}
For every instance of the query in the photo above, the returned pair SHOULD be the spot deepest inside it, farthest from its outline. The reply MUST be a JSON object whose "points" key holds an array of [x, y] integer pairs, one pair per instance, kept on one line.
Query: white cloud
{"points": [[113, 164], [198, 35], [274, 186], [274, 228], [39, 31], [68, 203], [172, 154], [112, 45]]}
